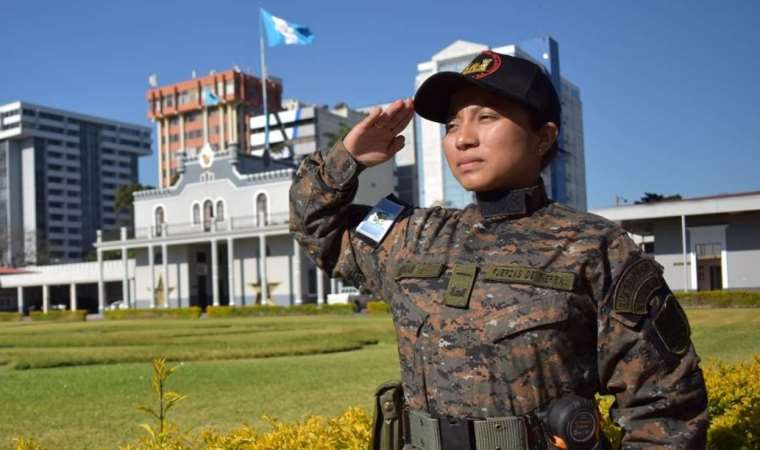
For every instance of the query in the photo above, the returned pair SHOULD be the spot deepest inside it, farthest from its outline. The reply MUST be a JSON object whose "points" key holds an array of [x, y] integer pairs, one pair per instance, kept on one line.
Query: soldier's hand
{"points": [[375, 139]]}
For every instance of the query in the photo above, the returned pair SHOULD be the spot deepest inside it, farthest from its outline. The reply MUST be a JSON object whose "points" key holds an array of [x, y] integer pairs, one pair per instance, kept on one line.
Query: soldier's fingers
{"points": [[399, 126], [396, 144], [388, 117], [371, 119]]}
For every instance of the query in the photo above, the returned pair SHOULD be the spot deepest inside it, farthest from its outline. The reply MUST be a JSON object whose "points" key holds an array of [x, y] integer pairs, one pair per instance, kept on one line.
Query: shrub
{"points": [[192, 312], [275, 310], [378, 307], [719, 299], [59, 316], [9, 316]]}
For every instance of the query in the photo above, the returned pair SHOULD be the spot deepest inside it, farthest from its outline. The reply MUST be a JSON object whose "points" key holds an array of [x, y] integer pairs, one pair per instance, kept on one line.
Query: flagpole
{"points": [[264, 85]]}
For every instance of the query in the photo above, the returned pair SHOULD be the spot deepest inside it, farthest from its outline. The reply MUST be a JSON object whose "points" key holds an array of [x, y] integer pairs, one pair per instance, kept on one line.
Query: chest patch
{"points": [[460, 285], [564, 281], [411, 269]]}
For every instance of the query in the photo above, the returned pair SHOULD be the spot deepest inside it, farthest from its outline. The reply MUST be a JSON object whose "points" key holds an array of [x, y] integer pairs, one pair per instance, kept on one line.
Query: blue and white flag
{"points": [[280, 31], [209, 98]]}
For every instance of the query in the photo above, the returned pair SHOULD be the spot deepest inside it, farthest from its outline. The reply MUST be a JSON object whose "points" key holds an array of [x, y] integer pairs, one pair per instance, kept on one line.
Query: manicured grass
{"points": [[94, 406]]}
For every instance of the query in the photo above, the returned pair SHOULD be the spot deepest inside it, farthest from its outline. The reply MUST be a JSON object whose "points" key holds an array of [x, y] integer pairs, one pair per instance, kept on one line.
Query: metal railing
{"points": [[239, 223]]}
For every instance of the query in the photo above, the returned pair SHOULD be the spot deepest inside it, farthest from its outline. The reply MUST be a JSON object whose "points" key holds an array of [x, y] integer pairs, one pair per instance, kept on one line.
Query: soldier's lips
{"points": [[467, 165]]}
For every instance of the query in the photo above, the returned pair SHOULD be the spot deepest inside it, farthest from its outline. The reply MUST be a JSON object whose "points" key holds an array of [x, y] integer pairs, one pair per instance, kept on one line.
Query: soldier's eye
{"points": [[450, 126]]}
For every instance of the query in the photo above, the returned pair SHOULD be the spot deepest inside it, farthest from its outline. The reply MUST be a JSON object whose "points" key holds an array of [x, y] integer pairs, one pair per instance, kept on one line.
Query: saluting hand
{"points": [[375, 139]]}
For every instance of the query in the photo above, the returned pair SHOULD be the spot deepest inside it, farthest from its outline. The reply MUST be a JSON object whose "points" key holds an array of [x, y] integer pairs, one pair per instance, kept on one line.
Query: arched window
{"points": [[208, 214], [219, 211], [261, 210], [196, 214], [159, 220]]}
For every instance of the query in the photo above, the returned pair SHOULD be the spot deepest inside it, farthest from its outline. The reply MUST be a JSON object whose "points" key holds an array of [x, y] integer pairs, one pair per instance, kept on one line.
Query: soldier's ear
{"points": [[547, 136]]}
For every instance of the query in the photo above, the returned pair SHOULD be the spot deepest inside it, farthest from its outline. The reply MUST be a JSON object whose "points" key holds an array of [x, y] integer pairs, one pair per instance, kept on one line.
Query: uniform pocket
{"points": [[546, 312]]}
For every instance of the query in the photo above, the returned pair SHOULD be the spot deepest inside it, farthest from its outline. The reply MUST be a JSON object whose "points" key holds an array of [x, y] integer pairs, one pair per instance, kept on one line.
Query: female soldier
{"points": [[512, 313]]}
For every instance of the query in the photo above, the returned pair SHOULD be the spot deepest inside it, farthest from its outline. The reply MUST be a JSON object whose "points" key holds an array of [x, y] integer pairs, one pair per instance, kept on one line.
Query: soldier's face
{"points": [[489, 143]]}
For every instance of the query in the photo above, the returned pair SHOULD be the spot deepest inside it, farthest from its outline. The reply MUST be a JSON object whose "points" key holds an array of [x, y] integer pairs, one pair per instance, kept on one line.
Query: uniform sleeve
{"points": [[645, 356], [322, 219]]}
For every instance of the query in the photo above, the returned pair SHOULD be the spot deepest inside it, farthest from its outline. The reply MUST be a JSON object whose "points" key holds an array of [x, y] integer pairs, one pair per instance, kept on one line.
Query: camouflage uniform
{"points": [[562, 302]]}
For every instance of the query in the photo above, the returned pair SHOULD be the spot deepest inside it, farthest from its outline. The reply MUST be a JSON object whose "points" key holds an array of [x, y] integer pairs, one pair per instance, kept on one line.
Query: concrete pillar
{"points": [[125, 266], [151, 258], [263, 278], [221, 127], [101, 283], [181, 133], [297, 281], [20, 299], [333, 285], [320, 287], [685, 252], [231, 271], [205, 124], [45, 298], [214, 273], [160, 147], [73, 296], [165, 263]]}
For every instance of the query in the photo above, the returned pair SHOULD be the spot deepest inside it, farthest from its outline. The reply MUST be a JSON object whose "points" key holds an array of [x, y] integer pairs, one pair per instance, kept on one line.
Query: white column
{"points": [[45, 298], [214, 273], [101, 283], [165, 263], [205, 124], [152, 277], [73, 296], [333, 285], [231, 271], [320, 287], [160, 147], [221, 127], [685, 259], [263, 278], [297, 281], [20, 297]]}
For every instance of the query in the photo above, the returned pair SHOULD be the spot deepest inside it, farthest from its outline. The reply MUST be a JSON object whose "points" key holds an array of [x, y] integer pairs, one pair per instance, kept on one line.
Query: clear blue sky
{"points": [[669, 89]]}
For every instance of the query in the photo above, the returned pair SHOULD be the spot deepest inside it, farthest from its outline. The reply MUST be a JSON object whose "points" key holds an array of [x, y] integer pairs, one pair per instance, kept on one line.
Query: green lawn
{"points": [[85, 398]]}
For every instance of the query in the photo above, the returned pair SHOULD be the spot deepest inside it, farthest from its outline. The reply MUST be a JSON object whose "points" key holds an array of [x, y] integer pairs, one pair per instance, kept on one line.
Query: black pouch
{"points": [[387, 425]]}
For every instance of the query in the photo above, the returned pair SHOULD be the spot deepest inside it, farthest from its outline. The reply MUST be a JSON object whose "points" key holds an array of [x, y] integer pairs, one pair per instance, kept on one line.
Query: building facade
{"points": [[704, 243], [565, 178], [59, 173], [186, 117]]}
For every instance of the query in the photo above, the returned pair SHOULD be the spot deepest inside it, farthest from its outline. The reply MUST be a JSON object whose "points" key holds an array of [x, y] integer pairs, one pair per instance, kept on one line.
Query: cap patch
{"points": [[484, 65]]}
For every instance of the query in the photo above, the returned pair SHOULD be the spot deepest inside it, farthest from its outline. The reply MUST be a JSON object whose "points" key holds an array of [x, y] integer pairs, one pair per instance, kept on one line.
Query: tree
{"points": [[651, 197], [125, 199], [333, 138]]}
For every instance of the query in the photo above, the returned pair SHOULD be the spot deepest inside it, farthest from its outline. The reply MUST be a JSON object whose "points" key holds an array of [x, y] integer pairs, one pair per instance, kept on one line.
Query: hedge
{"points": [[266, 311], [719, 299], [9, 316], [79, 315], [378, 307], [192, 312]]}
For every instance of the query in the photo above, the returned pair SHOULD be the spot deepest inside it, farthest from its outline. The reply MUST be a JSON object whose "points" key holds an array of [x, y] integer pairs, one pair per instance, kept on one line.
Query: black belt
{"points": [[426, 432]]}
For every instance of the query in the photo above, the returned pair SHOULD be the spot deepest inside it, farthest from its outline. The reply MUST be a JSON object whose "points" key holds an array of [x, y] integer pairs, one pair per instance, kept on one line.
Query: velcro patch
{"points": [[379, 221], [636, 287], [672, 326], [411, 269], [564, 281], [460, 285]]}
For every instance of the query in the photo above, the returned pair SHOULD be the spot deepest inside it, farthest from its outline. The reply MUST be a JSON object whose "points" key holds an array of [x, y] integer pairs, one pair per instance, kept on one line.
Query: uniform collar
{"points": [[514, 203]]}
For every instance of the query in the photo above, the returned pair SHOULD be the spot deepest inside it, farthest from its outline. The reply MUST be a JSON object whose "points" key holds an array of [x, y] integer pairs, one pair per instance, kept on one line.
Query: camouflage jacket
{"points": [[502, 306]]}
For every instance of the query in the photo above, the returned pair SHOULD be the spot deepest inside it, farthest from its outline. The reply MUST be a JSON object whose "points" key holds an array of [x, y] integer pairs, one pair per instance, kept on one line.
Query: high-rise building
{"points": [[215, 108], [59, 173], [565, 178]]}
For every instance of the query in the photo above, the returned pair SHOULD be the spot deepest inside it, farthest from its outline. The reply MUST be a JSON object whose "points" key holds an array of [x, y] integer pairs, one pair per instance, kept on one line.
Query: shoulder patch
{"points": [[637, 285], [672, 326], [380, 220]]}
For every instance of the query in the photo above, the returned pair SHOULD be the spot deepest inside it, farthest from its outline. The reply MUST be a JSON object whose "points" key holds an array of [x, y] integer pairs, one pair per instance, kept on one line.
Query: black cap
{"points": [[515, 78]]}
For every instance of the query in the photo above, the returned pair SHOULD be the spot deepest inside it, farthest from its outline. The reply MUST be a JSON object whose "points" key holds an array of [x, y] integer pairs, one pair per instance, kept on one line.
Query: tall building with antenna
{"points": [[186, 117]]}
